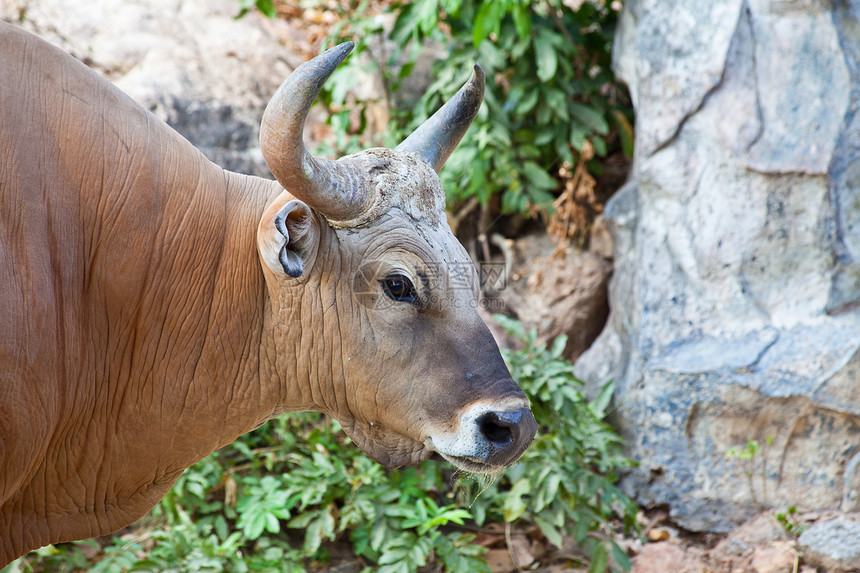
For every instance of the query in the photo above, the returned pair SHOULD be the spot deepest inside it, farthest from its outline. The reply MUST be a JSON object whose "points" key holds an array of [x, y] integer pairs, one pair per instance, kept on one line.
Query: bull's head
{"points": [[366, 286]]}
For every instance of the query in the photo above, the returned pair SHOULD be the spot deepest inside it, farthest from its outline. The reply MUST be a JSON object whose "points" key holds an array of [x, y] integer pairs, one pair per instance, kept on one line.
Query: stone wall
{"points": [[735, 303]]}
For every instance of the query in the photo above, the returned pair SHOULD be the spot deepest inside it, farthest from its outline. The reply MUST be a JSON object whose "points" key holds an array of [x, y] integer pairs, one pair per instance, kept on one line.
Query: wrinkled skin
{"points": [[154, 307]]}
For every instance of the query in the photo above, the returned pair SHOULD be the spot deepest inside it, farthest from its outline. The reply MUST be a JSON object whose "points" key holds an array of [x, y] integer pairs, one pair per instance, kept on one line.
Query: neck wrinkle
{"points": [[250, 395], [301, 353]]}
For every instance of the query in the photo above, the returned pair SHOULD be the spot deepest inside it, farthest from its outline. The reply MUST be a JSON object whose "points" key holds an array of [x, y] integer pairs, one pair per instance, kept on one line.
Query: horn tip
{"points": [[332, 58], [345, 47], [477, 76]]}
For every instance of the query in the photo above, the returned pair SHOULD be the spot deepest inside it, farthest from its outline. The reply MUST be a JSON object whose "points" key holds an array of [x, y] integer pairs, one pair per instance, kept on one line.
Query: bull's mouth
{"points": [[482, 439], [467, 464]]}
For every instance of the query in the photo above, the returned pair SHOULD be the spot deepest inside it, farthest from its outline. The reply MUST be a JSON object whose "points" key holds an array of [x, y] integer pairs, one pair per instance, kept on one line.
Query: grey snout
{"points": [[508, 434]]}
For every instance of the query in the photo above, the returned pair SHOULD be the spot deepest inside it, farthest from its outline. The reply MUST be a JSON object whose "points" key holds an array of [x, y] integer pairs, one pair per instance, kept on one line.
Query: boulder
{"points": [[735, 299], [193, 64], [555, 289]]}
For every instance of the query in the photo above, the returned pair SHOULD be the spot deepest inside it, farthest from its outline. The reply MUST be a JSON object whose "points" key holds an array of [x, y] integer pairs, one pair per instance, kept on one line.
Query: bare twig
{"points": [[485, 246], [559, 25], [510, 545], [490, 531], [454, 220], [504, 245]]}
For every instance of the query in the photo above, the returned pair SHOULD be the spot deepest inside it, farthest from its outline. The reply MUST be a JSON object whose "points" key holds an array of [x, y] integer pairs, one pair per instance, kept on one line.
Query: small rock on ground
{"points": [[833, 546], [666, 556]]}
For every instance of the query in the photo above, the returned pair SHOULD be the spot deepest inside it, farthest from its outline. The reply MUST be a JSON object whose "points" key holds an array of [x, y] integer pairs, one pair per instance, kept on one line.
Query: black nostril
{"points": [[500, 427], [499, 435], [507, 435]]}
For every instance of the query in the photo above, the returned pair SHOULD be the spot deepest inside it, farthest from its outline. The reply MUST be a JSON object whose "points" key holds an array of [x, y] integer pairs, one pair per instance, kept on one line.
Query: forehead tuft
{"points": [[398, 179]]}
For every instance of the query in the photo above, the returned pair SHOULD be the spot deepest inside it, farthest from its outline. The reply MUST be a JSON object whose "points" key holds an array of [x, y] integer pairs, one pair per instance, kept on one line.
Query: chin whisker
{"points": [[464, 480]]}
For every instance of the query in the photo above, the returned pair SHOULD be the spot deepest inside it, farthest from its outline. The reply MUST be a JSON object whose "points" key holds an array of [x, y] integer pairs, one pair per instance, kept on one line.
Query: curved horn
{"points": [[327, 186], [437, 137]]}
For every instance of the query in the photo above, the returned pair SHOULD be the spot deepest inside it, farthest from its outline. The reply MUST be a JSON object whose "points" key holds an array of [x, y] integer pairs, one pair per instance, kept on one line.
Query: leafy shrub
{"points": [[552, 102], [273, 499]]}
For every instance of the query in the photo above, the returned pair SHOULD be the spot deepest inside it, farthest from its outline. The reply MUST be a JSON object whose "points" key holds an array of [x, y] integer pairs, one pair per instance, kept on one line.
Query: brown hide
{"points": [[104, 212]]}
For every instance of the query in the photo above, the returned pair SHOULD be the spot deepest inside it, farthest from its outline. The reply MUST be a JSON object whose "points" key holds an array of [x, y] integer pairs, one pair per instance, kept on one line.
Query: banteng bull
{"points": [[153, 307]]}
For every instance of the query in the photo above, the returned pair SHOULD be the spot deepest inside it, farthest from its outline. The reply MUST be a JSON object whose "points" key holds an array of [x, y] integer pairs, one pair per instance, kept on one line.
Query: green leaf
{"points": [[452, 7], [512, 326], [320, 528], [272, 523], [558, 346], [514, 505], [522, 20], [267, 7], [255, 525], [549, 531], [407, 23], [427, 15], [546, 58], [538, 177], [528, 102], [378, 534], [487, 20], [625, 131], [514, 202], [244, 7], [342, 81], [578, 137], [599, 559], [619, 556], [542, 199], [580, 531], [393, 555], [556, 100], [548, 491], [450, 515], [544, 136], [590, 117], [599, 405]]}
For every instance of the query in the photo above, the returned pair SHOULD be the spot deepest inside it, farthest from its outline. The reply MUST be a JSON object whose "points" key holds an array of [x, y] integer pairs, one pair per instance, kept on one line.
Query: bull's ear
{"points": [[287, 237]]}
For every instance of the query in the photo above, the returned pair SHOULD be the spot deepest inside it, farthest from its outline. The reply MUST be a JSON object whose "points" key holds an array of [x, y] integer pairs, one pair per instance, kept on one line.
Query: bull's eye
{"points": [[399, 288]]}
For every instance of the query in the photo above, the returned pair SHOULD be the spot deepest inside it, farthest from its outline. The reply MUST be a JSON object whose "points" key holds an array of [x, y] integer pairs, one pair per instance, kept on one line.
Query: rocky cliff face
{"points": [[737, 282]]}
